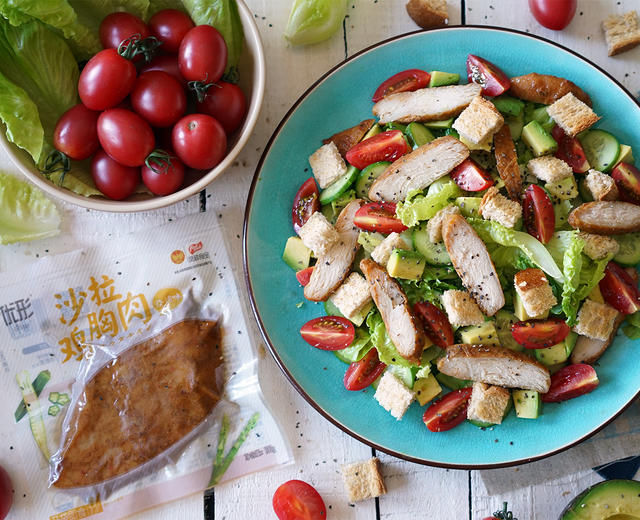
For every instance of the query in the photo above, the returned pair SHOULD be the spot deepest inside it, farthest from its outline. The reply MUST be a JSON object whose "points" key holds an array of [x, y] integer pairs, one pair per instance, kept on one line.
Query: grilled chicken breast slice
{"points": [[350, 137], [544, 88], [606, 217], [403, 327], [495, 365], [507, 162], [335, 265]]}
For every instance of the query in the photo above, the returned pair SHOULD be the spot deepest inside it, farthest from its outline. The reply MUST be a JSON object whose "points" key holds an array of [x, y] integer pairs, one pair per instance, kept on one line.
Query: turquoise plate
{"points": [[340, 99]]}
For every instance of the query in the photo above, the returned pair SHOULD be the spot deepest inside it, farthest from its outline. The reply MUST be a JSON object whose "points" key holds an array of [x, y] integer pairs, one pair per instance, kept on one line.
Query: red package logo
{"points": [[195, 247]]}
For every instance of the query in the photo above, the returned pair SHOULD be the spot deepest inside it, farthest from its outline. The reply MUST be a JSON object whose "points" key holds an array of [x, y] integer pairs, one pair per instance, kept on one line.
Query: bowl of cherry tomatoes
{"points": [[159, 115]]}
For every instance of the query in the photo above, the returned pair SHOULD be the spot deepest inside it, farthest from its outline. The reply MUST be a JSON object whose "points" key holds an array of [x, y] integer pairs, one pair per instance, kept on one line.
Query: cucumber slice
{"points": [[395, 126], [629, 253], [439, 125], [481, 424], [367, 176], [601, 148], [508, 106], [436, 254], [334, 190], [452, 382], [419, 134]]}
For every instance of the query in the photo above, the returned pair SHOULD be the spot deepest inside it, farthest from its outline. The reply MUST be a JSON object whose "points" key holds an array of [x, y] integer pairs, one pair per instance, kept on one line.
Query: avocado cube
{"points": [[426, 389], [469, 206], [419, 134], [445, 123], [521, 312], [441, 79], [626, 155], [296, 255], [538, 139], [566, 189], [558, 353], [374, 130], [408, 265], [484, 334], [509, 106], [527, 403]]}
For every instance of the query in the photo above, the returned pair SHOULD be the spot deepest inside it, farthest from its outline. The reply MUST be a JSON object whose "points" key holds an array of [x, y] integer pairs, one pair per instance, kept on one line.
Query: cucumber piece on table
{"points": [[601, 148], [436, 254], [38, 385], [337, 188], [629, 253], [368, 176]]}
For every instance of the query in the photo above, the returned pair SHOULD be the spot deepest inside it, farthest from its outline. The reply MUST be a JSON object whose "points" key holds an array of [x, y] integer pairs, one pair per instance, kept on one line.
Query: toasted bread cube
{"points": [[393, 395], [572, 115], [434, 226], [488, 403], [549, 169], [428, 14], [601, 186], [595, 320], [318, 234], [479, 121], [461, 309], [495, 206], [363, 480], [327, 164], [383, 250], [622, 32], [352, 295], [598, 247], [535, 292]]}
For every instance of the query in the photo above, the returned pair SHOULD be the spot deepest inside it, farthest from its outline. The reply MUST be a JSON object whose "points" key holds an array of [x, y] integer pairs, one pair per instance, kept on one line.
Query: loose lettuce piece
{"points": [[424, 207], [313, 21], [25, 213], [632, 329], [358, 349], [387, 351], [428, 290]]}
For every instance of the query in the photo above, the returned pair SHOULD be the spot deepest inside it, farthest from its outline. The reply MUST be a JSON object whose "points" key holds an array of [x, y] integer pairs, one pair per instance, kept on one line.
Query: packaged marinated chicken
{"points": [[129, 376]]}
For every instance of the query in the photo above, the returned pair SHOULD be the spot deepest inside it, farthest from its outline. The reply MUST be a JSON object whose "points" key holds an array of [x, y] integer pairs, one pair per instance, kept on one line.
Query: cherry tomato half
{"points": [[436, 324], [170, 27], [166, 63], [199, 141], [571, 381], [106, 80], [553, 14], [76, 133], [379, 216], [202, 55], [305, 203], [112, 178], [540, 333], [361, 374], [627, 178], [297, 500], [166, 179], [620, 290], [6, 493], [226, 102], [405, 81], [387, 146], [304, 275], [492, 80], [570, 151], [117, 27], [470, 176], [159, 98], [125, 136], [537, 212], [448, 411], [328, 332]]}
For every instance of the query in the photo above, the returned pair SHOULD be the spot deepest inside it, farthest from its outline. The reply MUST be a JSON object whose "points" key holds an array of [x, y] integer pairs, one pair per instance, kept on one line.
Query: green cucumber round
{"points": [[337, 188], [601, 148], [368, 176], [436, 254], [629, 253]]}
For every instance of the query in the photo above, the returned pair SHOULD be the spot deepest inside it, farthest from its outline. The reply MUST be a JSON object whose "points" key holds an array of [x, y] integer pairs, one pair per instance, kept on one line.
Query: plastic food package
{"points": [[129, 375]]}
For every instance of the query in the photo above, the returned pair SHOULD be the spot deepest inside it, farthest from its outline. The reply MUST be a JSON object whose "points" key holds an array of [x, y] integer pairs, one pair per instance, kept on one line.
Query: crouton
{"points": [[535, 292], [601, 186], [434, 226], [572, 115], [549, 168], [598, 247], [352, 295], [393, 395], [363, 480], [595, 320], [461, 309], [318, 234], [383, 250], [622, 32], [479, 121], [494, 206], [327, 164], [347, 139], [428, 14], [488, 403]]}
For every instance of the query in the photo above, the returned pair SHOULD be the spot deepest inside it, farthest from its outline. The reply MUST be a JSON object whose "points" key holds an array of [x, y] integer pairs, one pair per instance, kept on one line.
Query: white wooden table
{"points": [[320, 448]]}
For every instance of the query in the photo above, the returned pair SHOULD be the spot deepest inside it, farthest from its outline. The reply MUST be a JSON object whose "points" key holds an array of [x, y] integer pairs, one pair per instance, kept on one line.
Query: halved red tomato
{"points": [[470, 176], [570, 151], [492, 80], [620, 290], [304, 275], [379, 216], [436, 324], [387, 146], [405, 81], [297, 500], [361, 374], [448, 411], [305, 203], [571, 381], [328, 332], [540, 333], [627, 179], [538, 214]]}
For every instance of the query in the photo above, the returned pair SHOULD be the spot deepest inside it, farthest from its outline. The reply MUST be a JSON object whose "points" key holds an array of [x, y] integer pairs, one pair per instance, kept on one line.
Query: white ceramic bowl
{"points": [[252, 81]]}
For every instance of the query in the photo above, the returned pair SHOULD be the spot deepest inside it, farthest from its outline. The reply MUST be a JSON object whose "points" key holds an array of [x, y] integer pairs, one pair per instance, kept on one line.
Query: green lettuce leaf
{"points": [[428, 290], [387, 351], [313, 21], [358, 349], [25, 213], [632, 329], [423, 207]]}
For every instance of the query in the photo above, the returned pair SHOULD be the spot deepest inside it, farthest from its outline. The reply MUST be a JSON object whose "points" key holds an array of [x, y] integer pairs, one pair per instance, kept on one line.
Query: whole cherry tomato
{"points": [[106, 80], [6, 493], [159, 98], [166, 63], [163, 177], [113, 179], [119, 26], [170, 27], [125, 136], [202, 55], [553, 14], [76, 133], [226, 102], [199, 141]]}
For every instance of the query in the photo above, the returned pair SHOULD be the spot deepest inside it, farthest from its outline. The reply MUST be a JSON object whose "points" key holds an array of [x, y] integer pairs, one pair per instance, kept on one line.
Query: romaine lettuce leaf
{"points": [[632, 328], [358, 349], [25, 213], [312, 21], [424, 207], [387, 351]]}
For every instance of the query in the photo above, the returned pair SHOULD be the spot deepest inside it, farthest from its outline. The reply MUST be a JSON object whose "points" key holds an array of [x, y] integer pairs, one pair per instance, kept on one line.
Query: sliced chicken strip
{"points": [[606, 217]]}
